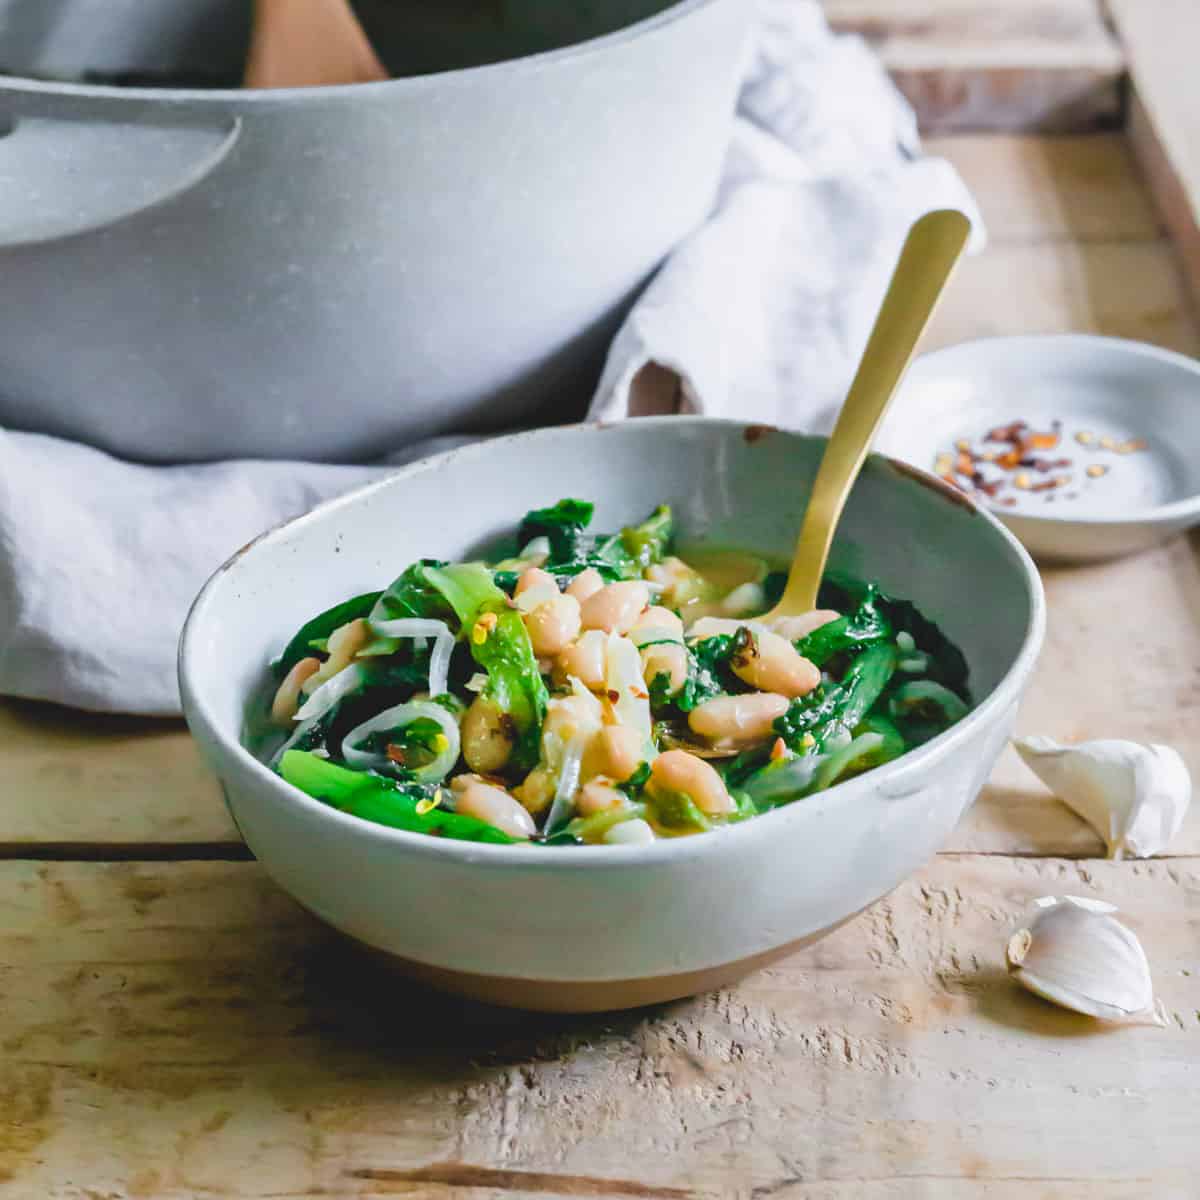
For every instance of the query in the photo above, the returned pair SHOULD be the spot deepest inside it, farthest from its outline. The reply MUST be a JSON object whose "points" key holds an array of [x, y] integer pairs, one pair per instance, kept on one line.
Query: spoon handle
{"points": [[930, 252]]}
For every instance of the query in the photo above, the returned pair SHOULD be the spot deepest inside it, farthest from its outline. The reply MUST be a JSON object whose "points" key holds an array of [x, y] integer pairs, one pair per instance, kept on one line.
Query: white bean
{"points": [[287, 698], [533, 577], [680, 583], [487, 736], [668, 660], [616, 607], [615, 751], [794, 628], [656, 622], [772, 664], [598, 795], [586, 583], [585, 660], [343, 644], [553, 626], [536, 790], [630, 833], [679, 771], [738, 720], [496, 807]]}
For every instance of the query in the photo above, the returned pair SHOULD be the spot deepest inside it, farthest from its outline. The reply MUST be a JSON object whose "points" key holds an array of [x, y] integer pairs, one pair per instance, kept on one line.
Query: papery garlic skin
{"points": [[1134, 795], [1073, 952]]}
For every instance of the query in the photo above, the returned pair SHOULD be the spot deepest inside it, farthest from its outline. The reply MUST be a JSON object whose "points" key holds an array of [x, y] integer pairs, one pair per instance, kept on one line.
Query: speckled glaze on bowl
{"points": [[610, 927]]}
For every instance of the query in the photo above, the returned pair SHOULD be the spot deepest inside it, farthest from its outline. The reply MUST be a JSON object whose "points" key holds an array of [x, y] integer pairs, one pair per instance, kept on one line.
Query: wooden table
{"points": [[171, 1025]]}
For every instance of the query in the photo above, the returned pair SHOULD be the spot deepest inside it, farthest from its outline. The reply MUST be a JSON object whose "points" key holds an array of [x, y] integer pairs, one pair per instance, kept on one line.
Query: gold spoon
{"points": [[930, 252], [309, 43]]}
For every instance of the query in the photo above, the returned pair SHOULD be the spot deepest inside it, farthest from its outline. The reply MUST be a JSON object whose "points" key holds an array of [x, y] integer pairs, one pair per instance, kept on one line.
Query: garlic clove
{"points": [[1073, 952], [1133, 794]]}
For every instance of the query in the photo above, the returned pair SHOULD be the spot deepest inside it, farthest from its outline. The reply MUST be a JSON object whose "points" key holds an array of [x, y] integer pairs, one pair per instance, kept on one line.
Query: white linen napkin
{"points": [[761, 313]]}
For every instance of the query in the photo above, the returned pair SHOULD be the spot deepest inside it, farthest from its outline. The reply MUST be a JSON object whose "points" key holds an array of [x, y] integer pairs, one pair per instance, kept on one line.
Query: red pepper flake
{"points": [[1048, 485], [638, 694], [613, 696], [1007, 433], [1008, 501], [396, 754], [987, 488], [964, 464]]}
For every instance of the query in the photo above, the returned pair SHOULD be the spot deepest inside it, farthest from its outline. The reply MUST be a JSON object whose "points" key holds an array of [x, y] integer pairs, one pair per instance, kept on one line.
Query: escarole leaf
{"points": [[501, 647], [863, 627], [832, 709], [947, 665], [623, 555], [383, 801], [563, 525], [320, 627]]}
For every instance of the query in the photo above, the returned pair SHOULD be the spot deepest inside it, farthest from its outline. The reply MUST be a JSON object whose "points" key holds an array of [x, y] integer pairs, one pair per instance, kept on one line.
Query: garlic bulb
{"points": [[1134, 795], [1075, 953]]}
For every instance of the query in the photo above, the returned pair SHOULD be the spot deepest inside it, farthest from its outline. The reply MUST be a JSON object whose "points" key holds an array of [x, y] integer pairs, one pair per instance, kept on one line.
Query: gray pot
{"points": [[206, 272]]}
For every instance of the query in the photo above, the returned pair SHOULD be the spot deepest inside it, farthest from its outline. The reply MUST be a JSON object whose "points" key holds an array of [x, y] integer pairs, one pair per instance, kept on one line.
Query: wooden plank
{"points": [[1123, 289], [1084, 188], [1143, 612], [1160, 38], [183, 1030], [71, 778], [1049, 66]]}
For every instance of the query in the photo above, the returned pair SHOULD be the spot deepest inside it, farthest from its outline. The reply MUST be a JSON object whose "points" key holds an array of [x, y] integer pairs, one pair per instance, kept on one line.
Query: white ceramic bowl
{"points": [[1124, 390], [606, 927]]}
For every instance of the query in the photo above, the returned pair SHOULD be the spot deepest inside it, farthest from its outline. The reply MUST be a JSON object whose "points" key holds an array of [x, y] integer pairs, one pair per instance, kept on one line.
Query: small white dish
{"points": [[1109, 392]]}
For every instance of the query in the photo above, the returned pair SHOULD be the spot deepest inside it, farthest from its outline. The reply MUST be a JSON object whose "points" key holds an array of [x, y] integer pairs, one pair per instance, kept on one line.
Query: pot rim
{"points": [[265, 97], [894, 779]]}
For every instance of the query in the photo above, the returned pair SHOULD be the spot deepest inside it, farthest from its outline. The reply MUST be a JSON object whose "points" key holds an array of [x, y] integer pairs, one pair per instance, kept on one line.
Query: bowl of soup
{"points": [[514, 717]]}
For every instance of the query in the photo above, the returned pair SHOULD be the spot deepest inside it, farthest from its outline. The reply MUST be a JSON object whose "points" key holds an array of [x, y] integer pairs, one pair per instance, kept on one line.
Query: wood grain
{"points": [[1160, 38], [1050, 66], [74, 778], [1122, 289], [183, 1030], [1081, 188]]}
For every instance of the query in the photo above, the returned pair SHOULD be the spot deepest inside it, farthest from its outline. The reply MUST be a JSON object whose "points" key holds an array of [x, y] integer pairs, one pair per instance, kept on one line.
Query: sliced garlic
{"points": [[1134, 795], [1073, 952]]}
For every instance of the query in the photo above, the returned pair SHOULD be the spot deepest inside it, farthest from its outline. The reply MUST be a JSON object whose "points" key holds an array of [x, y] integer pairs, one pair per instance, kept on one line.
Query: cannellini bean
{"points": [[679, 771], [680, 583], [287, 698], [533, 577], [655, 623], [487, 736], [344, 643], [496, 807], [794, 628], [584, 659], [536, 790], [553, 626], [663, 659], [567, 715], [615, 751], [707, 627], [738, 720], [599, 795], [772, 664], [630, 833], [586, 583], [616, 607]]}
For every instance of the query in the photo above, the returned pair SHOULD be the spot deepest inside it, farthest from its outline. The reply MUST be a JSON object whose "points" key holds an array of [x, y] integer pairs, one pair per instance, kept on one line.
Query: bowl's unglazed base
{"points": [[584, 996]]}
